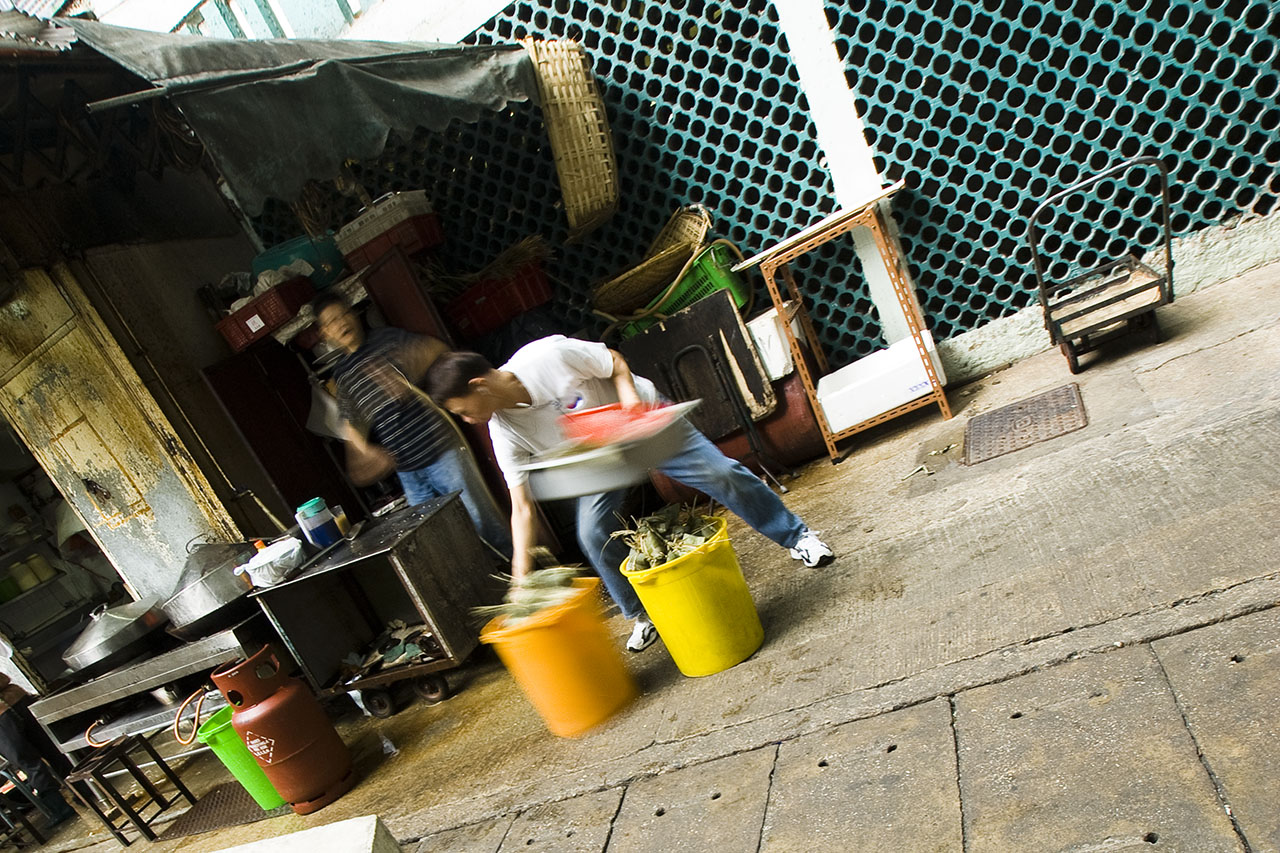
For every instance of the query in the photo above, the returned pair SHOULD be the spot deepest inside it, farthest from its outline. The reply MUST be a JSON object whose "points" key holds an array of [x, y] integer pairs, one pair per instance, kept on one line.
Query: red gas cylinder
{"points": [[287, 731]]}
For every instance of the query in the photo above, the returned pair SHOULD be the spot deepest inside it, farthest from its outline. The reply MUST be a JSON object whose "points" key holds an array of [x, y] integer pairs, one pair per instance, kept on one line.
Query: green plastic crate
{"points": [[710, 271]]}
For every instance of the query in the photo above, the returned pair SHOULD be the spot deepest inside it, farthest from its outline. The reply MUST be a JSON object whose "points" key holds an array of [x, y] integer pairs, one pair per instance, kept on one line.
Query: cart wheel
{"points": [[379, 703], [432, 688], [1073, 361]]}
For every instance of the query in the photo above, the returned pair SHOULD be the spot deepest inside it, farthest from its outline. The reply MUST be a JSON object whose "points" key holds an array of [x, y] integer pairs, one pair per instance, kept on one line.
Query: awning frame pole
{"points": [[253, 75]]}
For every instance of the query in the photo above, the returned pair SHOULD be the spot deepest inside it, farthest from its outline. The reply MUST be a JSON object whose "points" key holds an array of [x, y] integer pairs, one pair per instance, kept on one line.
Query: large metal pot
{"points": [[114, 636], [210, 595]]}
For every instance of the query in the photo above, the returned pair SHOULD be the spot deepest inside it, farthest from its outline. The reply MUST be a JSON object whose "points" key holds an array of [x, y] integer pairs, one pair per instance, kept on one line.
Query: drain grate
{"points": [[1024, 423], [229, 804]]}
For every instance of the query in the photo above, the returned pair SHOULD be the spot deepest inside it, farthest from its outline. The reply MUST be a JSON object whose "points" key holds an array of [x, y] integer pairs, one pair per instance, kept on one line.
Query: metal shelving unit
{"points": [[773, 263]]}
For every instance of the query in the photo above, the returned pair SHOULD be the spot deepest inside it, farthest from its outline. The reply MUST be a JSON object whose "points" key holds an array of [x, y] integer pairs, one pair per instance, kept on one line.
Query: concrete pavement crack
{"points": [[1218, 787], [1213, 346], [768, 797], [1168, 606], [955, 744], [613, 821]]}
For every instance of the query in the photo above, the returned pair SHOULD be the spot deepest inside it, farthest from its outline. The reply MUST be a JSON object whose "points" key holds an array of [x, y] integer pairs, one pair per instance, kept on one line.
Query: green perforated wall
{"points": [[984, 108]]}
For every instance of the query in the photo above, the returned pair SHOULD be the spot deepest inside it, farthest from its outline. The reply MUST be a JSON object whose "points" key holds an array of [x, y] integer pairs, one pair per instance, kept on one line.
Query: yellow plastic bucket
{"points": [[701, 606], [566, 662]]}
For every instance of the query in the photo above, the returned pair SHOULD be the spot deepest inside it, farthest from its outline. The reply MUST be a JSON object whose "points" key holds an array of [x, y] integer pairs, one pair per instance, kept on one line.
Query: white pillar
{"points": [[841, 139]]}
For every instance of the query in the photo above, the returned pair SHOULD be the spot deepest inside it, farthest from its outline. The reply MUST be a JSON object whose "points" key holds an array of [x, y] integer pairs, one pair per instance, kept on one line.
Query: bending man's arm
{"points": [[355, 437], [624, 382], [522, 530]]}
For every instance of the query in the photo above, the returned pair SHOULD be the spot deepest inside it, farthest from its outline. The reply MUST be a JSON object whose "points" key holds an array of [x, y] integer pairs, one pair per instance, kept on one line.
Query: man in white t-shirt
{"points": [[523, 401]]}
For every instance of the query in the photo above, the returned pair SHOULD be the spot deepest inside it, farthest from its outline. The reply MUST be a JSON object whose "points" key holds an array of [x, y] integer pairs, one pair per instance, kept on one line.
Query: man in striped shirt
{"points": [[376, 381]]}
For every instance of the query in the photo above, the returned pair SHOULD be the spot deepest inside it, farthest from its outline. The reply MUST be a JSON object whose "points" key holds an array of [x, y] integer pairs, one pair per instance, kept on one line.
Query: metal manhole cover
{"points": [[1024, 423], [229, 804]]}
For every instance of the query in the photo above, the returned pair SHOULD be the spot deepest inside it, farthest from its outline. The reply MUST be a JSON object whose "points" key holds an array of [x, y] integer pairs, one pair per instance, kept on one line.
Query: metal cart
{"points": [[1112, 299], [423, 564]]}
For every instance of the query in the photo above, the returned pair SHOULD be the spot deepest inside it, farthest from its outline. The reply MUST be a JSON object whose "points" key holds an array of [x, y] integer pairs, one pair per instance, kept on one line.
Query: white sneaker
{"points": [[812, 550], [642, 635]]}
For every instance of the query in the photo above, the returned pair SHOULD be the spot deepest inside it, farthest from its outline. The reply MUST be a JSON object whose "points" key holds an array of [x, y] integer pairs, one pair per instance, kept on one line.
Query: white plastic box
{"points": [[877, 383], [771, 342], [385, 212]]}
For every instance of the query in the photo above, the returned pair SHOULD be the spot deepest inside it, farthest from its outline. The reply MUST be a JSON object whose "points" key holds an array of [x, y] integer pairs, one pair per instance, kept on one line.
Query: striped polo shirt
{"points": [[409, 429]]}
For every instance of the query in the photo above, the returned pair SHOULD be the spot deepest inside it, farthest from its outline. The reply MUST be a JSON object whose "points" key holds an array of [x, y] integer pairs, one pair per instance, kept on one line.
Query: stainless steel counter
{"points": [[67, 713]]}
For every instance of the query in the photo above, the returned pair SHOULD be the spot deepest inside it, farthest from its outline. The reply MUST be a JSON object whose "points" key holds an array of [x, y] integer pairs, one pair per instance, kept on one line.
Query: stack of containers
{"points": [[42, 567], [404, 219], [23, 575]]}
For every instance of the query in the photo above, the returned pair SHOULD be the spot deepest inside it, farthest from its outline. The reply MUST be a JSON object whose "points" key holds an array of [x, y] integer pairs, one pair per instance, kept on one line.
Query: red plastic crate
{"points": [[266, 313], [489, 304], [413, 235]]}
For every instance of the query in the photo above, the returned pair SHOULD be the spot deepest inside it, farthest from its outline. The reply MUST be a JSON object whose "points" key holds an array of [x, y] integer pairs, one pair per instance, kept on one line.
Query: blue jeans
{"points": [[699, 464], [19, 747], [455, 471]]}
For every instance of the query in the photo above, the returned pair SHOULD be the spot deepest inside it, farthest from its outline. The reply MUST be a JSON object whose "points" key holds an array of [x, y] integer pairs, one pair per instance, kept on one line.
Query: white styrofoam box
{"points": [[771, 342], [366, 834], [877, 383]]}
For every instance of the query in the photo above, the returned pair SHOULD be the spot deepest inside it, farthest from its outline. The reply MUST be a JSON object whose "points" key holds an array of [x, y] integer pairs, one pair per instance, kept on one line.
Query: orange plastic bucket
{"points": [[566, 662]]}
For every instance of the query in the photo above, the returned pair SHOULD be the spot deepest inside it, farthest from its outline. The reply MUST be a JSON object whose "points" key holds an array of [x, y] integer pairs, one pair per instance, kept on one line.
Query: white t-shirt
{"points": [[562, 375]]}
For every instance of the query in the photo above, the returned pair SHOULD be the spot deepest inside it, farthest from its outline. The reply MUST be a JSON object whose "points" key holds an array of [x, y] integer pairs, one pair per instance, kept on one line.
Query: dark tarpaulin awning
{"points": [[275, 113]]}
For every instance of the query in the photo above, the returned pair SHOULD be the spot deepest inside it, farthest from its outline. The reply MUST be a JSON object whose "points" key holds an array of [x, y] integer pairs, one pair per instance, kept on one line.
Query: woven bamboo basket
{"points": [[578, 128], [689, 224], [668, 254], [637, 286]]}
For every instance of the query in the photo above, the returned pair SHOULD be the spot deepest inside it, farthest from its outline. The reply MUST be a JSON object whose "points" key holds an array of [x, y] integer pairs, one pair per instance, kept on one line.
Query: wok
{"points": [[209, 594], [114, 636]]}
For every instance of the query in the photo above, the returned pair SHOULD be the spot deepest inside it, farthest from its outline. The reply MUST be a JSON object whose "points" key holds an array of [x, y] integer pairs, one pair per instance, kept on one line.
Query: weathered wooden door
{"points": [[71, 394]]}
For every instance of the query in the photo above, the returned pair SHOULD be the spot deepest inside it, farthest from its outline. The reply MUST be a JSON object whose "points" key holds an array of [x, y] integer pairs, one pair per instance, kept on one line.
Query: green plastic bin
{"points": [[710, 271], [218, 733]]}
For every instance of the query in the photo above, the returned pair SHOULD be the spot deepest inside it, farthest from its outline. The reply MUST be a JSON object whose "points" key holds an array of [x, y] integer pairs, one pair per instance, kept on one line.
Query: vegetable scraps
{"points": [[531, 594], [668, 534]]}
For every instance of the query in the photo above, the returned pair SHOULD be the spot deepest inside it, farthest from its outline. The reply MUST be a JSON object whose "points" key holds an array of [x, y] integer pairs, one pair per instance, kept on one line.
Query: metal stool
{"points": [[10, 773], [13, 823], [117, 755]]}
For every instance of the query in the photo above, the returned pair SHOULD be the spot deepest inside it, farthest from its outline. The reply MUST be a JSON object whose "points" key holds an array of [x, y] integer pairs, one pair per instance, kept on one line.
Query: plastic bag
{"points": [[268, 279], [274, 563]]}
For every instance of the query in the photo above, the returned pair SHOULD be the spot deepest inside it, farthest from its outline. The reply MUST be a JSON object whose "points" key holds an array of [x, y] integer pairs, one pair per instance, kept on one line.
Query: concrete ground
{"points": [[1071, 647]]}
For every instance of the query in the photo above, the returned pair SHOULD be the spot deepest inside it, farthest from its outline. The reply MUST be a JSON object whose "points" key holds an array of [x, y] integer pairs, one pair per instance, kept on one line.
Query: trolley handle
{"points": [[1033, 240]]}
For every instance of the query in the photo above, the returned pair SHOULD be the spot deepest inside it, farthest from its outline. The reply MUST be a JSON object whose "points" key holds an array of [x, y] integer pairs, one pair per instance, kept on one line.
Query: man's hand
{"points": [[367, 463]]}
